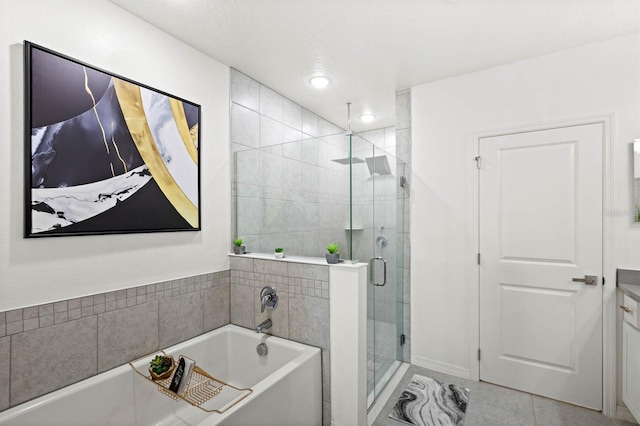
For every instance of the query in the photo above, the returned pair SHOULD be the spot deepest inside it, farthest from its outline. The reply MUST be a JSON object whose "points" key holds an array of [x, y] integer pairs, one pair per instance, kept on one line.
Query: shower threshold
{"points": [[384, 380]]}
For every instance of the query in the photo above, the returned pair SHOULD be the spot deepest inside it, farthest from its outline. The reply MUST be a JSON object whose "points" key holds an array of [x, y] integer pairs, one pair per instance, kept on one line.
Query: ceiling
{"points": [[372, 48]]}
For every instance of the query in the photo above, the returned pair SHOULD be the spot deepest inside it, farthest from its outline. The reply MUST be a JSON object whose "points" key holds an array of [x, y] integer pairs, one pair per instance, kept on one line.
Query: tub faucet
{"points": [[264, 325]]}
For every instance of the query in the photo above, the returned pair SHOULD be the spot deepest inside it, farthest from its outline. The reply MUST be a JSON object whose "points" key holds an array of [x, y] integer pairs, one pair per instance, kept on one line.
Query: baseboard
{"points": [[441, 367], [623, 413]]}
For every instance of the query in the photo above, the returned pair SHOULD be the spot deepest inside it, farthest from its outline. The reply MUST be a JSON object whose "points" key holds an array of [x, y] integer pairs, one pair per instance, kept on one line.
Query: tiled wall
{"points": [[303, 308], [284, 184], [50, 346], [403, 152], [285, 177], [263, 117], [378, 195]]}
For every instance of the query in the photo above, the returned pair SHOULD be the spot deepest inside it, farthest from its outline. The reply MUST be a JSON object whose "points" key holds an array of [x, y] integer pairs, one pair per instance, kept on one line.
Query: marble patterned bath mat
{"points": [[429, 402]]}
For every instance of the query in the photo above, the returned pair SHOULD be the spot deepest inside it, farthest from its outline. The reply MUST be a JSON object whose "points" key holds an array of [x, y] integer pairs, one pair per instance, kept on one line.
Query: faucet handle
{"points": [[268, 298]]}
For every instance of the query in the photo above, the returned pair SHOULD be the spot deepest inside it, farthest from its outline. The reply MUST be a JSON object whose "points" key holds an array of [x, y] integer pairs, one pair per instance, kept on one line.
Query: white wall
{"points": [[601, 78], [34, 271]]}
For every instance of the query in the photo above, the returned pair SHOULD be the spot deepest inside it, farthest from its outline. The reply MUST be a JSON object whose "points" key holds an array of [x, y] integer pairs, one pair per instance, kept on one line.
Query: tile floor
{"points": [[491, 405]]}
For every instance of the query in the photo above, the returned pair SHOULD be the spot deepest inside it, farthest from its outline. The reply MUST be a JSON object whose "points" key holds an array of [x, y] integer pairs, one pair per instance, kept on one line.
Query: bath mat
{"points": [[429, 402]]}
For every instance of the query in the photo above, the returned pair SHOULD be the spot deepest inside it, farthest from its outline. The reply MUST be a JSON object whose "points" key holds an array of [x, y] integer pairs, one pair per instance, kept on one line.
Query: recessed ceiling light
{"points": [[367, 118], [319, 81]]}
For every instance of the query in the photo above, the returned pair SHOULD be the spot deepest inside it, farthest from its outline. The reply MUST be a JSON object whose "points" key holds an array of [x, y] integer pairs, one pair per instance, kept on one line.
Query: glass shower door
{"points": [[376, 238], [385, 281]]}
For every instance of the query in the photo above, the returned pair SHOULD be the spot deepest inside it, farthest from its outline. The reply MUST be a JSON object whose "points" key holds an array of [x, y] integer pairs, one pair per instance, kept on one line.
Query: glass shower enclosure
{"points": [[343, 189], [375, 237]]}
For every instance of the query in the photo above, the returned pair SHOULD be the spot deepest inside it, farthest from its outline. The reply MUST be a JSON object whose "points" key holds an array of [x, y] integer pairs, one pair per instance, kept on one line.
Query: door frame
{"points": [[609, 346]]}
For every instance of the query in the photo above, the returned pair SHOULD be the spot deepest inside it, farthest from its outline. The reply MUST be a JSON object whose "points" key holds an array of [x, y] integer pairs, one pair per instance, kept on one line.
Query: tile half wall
{"points": [[303, 306], [75, 339]]}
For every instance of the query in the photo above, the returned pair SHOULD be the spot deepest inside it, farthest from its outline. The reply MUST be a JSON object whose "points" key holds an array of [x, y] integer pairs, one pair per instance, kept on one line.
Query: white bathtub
{"points": [[286, 383]]}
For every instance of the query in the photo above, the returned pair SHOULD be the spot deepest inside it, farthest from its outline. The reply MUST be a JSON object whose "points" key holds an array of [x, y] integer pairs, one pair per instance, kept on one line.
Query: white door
{"points": [[540, 206]]}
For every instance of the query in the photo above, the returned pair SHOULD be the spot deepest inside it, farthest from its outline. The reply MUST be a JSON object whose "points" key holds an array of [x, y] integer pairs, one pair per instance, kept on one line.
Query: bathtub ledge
{"points": [[291, 259]]}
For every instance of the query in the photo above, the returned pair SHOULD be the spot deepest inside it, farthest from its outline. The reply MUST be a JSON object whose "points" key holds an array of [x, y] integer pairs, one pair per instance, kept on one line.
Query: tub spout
{"points": [[264, 325]]}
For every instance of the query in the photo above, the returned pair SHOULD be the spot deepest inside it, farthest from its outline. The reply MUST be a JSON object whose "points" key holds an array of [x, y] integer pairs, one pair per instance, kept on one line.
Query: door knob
{"points": [[588, 279]]}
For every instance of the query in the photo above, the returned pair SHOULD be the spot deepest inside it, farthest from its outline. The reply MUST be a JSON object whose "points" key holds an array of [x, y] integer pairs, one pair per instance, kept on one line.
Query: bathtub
{"points": [[286, 384]]}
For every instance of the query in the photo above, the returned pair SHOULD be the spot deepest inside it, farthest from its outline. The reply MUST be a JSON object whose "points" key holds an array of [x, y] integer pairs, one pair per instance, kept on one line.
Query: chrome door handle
{"points": [[588, 280], [372, 280]]}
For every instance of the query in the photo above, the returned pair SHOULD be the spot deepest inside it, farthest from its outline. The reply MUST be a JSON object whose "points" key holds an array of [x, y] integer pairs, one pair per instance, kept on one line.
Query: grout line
{"points": [[10, 351], [533, 407], [289, 304], [97, 346]]}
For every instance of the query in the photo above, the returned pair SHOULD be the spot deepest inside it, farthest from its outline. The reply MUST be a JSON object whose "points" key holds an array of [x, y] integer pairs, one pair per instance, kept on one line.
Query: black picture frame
{"points": [[105, 154]]}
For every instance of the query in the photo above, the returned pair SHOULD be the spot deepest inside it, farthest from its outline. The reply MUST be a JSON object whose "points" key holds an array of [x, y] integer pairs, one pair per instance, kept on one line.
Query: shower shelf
{"points": [[354, 229], [202, 388]]}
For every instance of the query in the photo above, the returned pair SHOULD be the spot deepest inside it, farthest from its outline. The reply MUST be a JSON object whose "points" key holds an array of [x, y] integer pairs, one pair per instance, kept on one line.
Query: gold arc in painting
{"points": [[130, 101], [183, 128]]}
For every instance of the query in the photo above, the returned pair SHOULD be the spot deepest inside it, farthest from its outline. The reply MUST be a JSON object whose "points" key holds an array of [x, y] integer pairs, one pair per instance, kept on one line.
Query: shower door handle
{"points": [[372, 278]]}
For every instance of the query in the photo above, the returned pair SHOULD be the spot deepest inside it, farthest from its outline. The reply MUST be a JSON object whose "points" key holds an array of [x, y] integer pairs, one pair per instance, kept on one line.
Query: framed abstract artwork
{"points": [[104, 154]]}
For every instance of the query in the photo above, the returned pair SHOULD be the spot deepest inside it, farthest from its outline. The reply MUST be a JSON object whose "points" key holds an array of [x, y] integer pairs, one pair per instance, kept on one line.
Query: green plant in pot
{"points": [[279, 253], [333, 256], [161, 367], [238, 248]]}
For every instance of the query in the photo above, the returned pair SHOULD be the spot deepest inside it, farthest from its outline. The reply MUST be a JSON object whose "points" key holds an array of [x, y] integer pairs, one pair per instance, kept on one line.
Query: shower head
{"points": [[379, 165], [354, 160]]}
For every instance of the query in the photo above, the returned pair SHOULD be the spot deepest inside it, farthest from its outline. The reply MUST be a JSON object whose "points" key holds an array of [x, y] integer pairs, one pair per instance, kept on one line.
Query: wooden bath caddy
{"points": [[201, 388]]}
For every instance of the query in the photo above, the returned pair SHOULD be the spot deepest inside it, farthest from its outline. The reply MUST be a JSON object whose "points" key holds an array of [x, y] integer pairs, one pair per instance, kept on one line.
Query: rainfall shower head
{"points": [[379, 165], [354, 160]]}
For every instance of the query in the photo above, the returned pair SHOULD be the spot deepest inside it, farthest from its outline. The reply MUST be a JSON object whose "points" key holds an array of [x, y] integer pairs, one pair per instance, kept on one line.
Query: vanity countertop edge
{"points": [[628, 281], [632, 290]]}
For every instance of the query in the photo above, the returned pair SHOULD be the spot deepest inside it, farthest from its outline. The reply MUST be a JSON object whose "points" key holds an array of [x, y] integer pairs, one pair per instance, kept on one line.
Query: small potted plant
{"points": [[161, 367], [238, 248], [333, 256], [279, 253]]}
